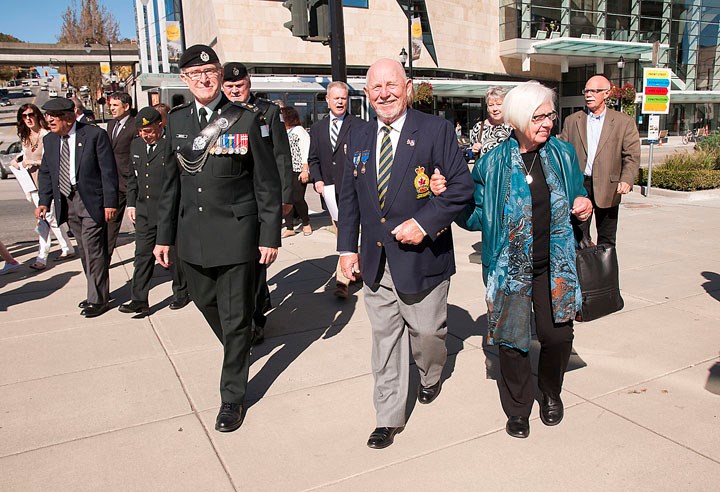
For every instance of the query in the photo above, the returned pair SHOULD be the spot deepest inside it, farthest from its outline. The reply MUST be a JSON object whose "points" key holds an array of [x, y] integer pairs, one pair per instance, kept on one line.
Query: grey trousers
{"points": [[402, 322], [91, 239]]}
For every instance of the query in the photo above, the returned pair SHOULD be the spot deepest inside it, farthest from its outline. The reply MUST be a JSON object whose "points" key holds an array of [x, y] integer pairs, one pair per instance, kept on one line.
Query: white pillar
{"points": [[142, 35], [153, 36], [162, 16]]}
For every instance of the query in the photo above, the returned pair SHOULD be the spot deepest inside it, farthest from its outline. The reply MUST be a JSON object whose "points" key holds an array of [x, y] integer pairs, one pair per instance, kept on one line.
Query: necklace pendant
{"points": [[528, 179]]}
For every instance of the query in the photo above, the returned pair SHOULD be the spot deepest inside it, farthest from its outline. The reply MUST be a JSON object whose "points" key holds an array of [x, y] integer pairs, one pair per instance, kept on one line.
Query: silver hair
{"points": [[522, 101]]}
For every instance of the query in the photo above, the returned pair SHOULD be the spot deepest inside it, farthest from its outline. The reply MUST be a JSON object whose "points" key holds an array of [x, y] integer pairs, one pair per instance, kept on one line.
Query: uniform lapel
{"points": [[342, 133], [403, 158]]}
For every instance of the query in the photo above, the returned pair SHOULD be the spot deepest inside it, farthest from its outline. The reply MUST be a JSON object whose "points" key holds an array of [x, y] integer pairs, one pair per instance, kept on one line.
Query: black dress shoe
{"points": [[428, 394], [518, 427], [134, 307], [179, 303], [83, 304], [229, 418], [94, 310], [551, 410], [383, 437]]}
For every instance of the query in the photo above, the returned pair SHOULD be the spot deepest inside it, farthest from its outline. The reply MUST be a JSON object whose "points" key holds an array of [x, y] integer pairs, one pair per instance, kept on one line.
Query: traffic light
{"points": [[319, 20], [298, 23]]}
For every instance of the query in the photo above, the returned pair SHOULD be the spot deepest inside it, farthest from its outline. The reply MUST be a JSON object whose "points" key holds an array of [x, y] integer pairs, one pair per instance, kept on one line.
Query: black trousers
{"points": [[262, 296], [300, 206], [113, 227], [91, 239], [516, 390], [606, 220], [144, 264], [225, 295]]}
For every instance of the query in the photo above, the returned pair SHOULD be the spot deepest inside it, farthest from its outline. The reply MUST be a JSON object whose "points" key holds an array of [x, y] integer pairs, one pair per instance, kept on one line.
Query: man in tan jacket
{"points": [[608, 148]]}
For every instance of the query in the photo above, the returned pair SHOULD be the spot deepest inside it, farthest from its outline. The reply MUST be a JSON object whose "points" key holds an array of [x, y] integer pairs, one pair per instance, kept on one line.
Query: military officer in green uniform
{"points": [[221, 206], [144, 184], [236, 87]]}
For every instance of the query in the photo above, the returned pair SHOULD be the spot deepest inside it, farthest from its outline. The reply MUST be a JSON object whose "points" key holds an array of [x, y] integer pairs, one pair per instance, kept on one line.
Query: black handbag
{"points": [[597, 269]]}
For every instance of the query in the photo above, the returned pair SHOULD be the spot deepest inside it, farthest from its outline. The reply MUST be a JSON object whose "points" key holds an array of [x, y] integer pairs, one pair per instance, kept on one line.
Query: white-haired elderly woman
{"points": [[525, 190], [488, 133]]}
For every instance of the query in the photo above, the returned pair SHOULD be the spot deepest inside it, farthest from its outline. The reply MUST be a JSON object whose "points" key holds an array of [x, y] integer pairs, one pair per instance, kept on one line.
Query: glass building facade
{"points": [[690, 29]]}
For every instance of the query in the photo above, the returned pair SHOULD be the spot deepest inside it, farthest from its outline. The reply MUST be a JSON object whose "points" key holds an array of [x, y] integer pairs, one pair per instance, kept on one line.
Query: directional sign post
{"points": [[656, 101]]}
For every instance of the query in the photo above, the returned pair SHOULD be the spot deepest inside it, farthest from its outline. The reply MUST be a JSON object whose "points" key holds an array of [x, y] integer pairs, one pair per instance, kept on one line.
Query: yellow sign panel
{"points": [[104, 68], [173, 31]]}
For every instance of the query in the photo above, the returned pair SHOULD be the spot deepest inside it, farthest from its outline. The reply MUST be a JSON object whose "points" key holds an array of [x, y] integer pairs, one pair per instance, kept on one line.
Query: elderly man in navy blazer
{"points": [[328, 146], [407, 244], [78, 172]]}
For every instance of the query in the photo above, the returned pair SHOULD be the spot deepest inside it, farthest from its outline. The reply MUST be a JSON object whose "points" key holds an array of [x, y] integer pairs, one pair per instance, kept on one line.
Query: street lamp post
{"points": [[88, 49], [621, 65], [410, 58], [67, 71]]}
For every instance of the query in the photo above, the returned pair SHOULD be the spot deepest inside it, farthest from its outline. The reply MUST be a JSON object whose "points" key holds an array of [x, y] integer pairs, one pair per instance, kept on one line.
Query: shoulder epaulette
{"points": [[180, 106], [249, 107]]}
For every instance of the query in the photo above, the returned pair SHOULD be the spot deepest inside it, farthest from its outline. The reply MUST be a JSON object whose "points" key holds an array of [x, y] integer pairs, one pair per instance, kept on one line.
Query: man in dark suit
{"points": [[221, 206], [78, 172], [147, 169], [121, 130], [607, 143], [407, 244], [236, 87], [80, 111], [328, 146]]}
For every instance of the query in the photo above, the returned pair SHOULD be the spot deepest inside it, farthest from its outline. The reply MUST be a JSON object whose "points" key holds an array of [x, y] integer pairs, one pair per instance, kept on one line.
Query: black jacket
{"points": [[145, 178], [121, 148], [326, 164]]}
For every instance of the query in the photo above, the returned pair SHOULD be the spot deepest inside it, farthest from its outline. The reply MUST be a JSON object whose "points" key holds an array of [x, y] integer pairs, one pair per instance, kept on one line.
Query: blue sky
{"points": [[39, 21]]}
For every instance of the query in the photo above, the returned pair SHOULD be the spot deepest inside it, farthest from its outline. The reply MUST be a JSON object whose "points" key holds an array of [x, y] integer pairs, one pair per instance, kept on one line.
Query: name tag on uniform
{"points": [[136, 156], [180, 135], [265, 131]]}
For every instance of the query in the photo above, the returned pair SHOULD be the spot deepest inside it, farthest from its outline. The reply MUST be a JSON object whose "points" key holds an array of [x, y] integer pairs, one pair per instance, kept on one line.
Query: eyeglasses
{"points": [[28, 115], [539, 118], [593, 91], [194, 75]]}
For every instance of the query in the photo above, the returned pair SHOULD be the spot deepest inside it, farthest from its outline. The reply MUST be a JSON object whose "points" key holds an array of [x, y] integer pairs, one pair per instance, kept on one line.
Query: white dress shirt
{"points": [[210, 108], [594, 128], [71, 144]]}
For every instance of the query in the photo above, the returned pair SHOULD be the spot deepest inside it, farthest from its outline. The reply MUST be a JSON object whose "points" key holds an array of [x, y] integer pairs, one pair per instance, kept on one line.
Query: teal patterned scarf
{"points": [[509, 284]]}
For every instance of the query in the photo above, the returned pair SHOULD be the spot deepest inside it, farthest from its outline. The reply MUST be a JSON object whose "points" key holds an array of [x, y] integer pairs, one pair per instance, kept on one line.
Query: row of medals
{"points": [[220, 148]]}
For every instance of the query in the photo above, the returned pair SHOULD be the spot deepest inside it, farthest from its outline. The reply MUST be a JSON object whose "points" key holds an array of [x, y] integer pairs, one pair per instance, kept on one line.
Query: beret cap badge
{"points": [[204, 56]]}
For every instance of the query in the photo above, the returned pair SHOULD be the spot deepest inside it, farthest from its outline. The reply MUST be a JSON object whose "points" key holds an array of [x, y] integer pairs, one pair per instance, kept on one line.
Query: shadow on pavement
{"points": [[712, 286], [713, 381], [299, 281], [36, 289]]}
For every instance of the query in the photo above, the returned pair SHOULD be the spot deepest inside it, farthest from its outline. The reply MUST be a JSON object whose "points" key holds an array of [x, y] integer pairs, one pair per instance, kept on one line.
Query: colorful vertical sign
{"points": [[656, 95], [417, 40]]}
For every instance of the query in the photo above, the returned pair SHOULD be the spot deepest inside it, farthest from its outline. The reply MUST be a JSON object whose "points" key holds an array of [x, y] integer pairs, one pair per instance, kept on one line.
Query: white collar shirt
{"points": [[71, 144], [594, 129], [210, 108]]}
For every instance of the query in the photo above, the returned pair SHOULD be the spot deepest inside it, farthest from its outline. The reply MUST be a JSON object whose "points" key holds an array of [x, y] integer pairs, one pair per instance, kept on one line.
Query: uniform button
{"points": [[199, 190], [199, 209], [148, 197], [146, 175], [382, 221], [379, 244], [147, 186]]}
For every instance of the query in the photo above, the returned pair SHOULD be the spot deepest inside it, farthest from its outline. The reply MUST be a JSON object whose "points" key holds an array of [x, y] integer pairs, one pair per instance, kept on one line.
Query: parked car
{"points": [[7, 156], [53, 93], [36, 82], [27, 93], [5, 102]]}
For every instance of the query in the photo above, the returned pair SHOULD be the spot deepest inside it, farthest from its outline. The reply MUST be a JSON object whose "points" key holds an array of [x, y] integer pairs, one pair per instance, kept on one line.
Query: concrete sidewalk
{"points": [[116, 403]]}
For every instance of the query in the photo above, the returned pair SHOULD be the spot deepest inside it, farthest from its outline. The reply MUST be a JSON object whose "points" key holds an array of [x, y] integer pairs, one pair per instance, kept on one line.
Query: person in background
{"points": [[11, 264], [121, 130], [329, 139], [80, 111], [164, 110], [32, 128], [526, 190], [488, 133], [607, 143], [299, 147]]}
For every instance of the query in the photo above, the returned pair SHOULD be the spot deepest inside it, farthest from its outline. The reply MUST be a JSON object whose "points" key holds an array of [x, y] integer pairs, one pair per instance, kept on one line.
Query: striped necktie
{"points": [[334, 131], [385, 164], [64, 171]]}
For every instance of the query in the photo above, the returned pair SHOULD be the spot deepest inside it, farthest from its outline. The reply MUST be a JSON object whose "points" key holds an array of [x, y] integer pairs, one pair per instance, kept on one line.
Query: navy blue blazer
{"points": [[95, 171], [326, 164], [426, 142]]}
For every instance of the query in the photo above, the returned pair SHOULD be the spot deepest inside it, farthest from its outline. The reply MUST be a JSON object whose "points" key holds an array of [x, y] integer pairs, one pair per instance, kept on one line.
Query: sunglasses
{"points": [[28, 115]]}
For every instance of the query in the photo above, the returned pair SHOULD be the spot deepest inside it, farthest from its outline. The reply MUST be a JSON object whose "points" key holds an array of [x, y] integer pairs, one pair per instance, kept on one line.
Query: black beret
{"points": [[198, 54], [234, 71], [59, 105], [147, 116]]}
